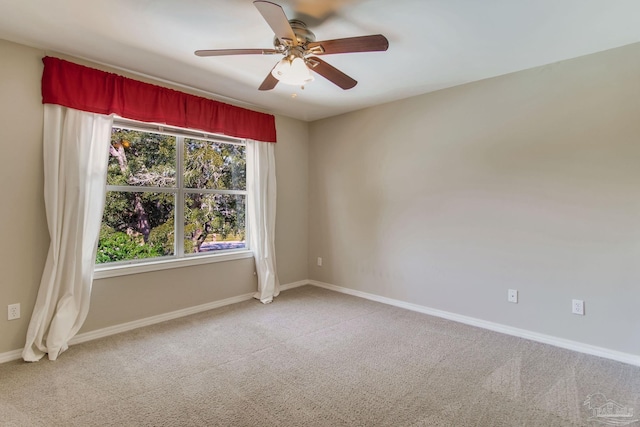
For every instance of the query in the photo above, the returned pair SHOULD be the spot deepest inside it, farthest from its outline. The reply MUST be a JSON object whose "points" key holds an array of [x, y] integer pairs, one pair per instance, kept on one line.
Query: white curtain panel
{"points": [[76, 153], [261, 216]]}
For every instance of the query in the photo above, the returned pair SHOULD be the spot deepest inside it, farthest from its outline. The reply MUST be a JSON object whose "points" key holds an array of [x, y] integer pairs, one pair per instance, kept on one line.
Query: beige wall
{"points": [[528, 181], [127, 298], [292, 237], [25, 238]]}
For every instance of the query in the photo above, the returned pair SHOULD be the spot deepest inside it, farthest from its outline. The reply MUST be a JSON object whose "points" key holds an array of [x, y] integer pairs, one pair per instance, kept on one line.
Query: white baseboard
{"points": [[92, 335], [618, 356], [10, 356], [123, 327], [293, 285]]}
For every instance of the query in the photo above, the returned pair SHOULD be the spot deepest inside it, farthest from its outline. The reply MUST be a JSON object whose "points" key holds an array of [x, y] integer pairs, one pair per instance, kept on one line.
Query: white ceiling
{"points": [[433, 44]]}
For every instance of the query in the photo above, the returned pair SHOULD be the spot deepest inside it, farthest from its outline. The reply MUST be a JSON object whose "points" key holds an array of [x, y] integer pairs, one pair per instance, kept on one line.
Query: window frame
{"points": [[179, 258]]}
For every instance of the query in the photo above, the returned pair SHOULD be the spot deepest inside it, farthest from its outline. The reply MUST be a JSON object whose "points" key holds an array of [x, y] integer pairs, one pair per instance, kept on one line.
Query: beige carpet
{"points": [[314, 358]]}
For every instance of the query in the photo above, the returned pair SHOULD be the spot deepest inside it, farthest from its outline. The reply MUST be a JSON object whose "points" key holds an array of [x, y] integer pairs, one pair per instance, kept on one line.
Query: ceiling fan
{"points": [[300, 49]]}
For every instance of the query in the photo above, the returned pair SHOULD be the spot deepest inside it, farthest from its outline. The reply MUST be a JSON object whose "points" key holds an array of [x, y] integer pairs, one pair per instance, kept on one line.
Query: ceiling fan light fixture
{"points": [[292, 71]]}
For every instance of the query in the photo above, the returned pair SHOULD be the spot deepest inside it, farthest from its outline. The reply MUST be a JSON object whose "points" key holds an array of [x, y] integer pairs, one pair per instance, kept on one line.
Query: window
{"points": [[166, 182]]}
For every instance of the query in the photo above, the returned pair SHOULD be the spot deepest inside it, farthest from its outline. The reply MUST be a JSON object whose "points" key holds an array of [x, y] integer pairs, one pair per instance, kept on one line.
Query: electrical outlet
{"points": [[512, 296], [319, 262], [13, 311], [577, 307]]}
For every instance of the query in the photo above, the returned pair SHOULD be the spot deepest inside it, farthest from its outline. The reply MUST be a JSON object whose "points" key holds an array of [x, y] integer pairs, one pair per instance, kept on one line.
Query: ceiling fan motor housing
{"points": [[303, 35]]}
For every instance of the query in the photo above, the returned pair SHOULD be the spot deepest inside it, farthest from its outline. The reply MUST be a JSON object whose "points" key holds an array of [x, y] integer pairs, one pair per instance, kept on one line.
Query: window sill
{"points": [[103, 272]]}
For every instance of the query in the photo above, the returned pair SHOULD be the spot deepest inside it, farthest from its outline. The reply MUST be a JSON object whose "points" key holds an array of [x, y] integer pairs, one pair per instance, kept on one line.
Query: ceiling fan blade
{"points": [[269, 82], [331, 73], [223, 52], [277, 20], [373, 43]]}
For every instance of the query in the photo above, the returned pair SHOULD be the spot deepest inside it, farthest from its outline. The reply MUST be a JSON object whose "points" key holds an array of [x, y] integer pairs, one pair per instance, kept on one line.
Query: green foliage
{"points": [[162, 237], [120, 212], [214, 165], [118, 246], [211, 217], [150, 159]]}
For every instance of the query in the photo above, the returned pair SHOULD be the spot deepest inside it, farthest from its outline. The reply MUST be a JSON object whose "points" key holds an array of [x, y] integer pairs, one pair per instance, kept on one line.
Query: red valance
{"points": [[87, 89]]}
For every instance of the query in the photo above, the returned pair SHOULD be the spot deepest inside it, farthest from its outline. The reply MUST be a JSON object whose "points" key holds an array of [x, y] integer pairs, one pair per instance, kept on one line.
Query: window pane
{"points": [[141, 159], [214, 165], [136, 225], [214, 222]]}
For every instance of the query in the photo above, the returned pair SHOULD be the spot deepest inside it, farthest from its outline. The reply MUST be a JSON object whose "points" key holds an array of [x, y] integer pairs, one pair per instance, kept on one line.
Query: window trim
{"points": [[124, 268], [179, 258], [175, 131]]}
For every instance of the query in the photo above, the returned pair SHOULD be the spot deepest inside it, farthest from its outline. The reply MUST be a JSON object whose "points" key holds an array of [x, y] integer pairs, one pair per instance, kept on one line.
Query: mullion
{"points": [[132, 189], [179, 211], [213, 191]]}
